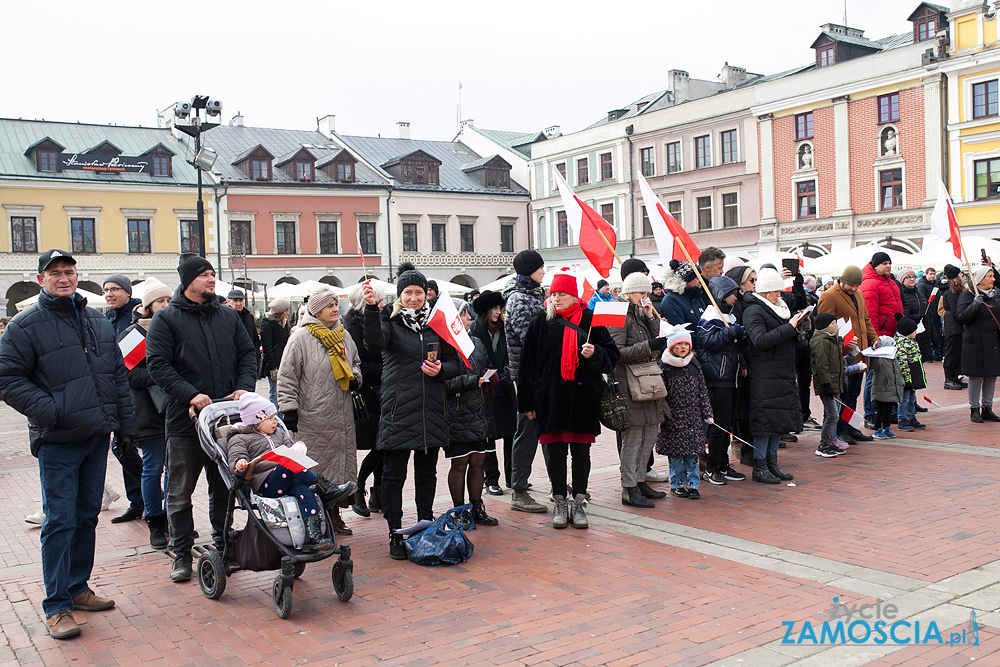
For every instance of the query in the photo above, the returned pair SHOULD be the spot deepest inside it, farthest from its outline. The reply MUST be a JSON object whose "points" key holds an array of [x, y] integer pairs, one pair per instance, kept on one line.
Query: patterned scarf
{"points": [[333, 341], [570, 350], [415, 318]]}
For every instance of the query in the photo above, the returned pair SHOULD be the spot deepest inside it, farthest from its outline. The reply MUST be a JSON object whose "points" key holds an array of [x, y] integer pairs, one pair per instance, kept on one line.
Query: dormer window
{"points": [[45, 154], [345, 172], [256, 163], [497, 177], [48, 160], [416, 168], [926, 29], [161, 165], [303, 171], [492, 171], [826, 57], [259, 170], [159, 159], [339, 166], [928, 20]]}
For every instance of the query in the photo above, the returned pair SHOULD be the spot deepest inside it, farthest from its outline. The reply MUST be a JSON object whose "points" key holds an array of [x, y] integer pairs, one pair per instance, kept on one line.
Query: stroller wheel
{"points": [[299, 569], [212, 574], [282, 598], [343, 579]]}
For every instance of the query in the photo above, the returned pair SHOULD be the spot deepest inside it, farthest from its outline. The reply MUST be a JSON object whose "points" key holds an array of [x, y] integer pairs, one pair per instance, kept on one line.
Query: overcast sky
{"points": [[523, 65]]}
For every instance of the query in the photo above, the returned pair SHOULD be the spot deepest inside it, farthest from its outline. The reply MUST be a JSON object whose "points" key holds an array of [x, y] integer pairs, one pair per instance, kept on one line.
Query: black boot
{"points": [[157, 531], [976, 417], [649, 492], [988, 415], [397, 551], [375, 499], [631, 496], [330, 493], [772, 465], [315, 539], [182, 568], [762, 474], [480, 515], [360, 507]]}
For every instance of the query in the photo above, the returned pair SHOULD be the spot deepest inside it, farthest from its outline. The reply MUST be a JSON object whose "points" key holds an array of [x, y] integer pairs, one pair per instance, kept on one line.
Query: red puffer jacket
{"points": [[882, 299]]}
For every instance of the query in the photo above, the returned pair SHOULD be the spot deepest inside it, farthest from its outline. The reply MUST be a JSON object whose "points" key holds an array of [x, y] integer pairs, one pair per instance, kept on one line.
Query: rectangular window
{"points": [[467, 237], [702, 152], [328, 237], [259, 170], [84, 235], [926, 30], [647, 229], [303, 171], [48, 161], [730, 151], [345, 173], [803, 126], [409, 237], [891, 188], [285, 244], [888, 108], [506, 238], [497, 178], [647, 161], [805, 192], [562, 226], [674, 209], [582, 171], [608, 213], [825, 57], [138, 236], [704, 213], [673, 157], [730, 210], [367, 231], [607, 171], [239, 237], [23, 235], [987, 178], [439, 238], [984, 99], [561, 168], [161, 165]]}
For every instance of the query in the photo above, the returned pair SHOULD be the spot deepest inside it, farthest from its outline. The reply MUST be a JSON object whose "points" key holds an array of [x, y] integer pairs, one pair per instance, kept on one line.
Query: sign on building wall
{"points": [[103, 163]]}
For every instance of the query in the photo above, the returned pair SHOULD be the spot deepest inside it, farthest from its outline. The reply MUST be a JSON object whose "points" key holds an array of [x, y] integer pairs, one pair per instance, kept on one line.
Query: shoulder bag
{"points": [[645, 381], [614, 412]]}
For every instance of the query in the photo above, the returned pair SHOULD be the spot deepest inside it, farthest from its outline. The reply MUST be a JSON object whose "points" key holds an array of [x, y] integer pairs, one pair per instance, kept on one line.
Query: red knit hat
{"points": [[565, 283]]}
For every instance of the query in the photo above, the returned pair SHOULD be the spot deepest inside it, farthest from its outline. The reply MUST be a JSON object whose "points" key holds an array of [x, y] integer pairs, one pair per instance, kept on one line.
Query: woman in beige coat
{"points": [[319, 368]]}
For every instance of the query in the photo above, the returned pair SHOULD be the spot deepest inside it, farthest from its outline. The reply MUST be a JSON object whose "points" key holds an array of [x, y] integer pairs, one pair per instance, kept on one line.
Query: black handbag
{"points": [[614, 408], [361, 414]]}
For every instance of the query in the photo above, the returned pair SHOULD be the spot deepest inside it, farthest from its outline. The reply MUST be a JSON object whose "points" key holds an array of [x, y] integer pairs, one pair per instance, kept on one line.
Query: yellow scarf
{"points": [[333, 341]]}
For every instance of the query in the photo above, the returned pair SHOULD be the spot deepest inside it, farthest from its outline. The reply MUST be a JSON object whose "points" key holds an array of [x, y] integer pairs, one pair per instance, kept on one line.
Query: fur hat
{"points": [[823, 320], [487, 301], [319, 300], [979, 272], [684, 270], [879, 258], [565, 283], [121, 280], [153, 289], [905, 325], [279, 305], [769, 280], [407, 275], [951, 272], [190, 267], [254, 408], [851, 275], [637, 282], [633, 265], [527, 262]]}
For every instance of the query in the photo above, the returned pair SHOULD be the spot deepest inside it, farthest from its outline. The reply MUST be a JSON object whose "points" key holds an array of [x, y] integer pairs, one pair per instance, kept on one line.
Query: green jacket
{"points": [[827, 362], [908, 352], [887, 386]]}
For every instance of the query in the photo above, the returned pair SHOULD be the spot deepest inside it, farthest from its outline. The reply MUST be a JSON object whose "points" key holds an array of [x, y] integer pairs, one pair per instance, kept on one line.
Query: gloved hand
{"points": [[123, 445], [862, 366], [737, 331], [291, 419], [353, 384], [978, 301], [657, 344]]}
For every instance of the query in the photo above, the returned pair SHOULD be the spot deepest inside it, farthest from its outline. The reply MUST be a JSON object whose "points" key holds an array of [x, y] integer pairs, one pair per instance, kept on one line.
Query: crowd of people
{"points": [[714, 355]]}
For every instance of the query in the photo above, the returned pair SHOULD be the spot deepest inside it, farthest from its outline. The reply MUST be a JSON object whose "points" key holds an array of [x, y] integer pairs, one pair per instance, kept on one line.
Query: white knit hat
{"points": [[768, 280], [636, 282], [979, 272], [153, 289]]}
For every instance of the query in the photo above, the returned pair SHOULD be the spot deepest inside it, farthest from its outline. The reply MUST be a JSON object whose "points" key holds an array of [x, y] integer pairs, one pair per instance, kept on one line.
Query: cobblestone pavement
{"points": [[910, 522]]}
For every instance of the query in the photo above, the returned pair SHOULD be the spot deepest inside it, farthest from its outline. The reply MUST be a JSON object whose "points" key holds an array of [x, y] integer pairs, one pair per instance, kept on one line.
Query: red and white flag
{"points": [[597, 238], [583, 286], [944, 224], [671, 238], [133, 347], [931, 401], [932, 295], [445, 320], [294, 460], [852, 417], [845, 330], [609, 314]]}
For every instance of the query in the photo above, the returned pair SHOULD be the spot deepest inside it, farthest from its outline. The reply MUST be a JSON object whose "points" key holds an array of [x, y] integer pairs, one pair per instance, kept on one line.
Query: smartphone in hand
{"points": [[432, 351]]}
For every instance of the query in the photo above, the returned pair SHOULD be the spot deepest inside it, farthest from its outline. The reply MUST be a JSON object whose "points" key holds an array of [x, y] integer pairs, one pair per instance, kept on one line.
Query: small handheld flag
{"points": [[845, 330], [931, 401], [932, 295], [609, 314], [444, 320], [133, 347], [292, 459], [851, 417]]}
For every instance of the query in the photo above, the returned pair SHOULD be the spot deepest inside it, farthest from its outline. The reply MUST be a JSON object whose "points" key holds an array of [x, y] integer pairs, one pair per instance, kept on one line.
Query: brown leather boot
{"points": [[62, 626], [339, 527]]}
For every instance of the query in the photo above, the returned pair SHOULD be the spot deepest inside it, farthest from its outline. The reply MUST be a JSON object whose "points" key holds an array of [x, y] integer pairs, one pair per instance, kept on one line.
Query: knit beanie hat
{"points": [[682, 336], [633, 265], [121, 280], [637, 282], [905, 325], [809, 282], [433, 285], [739, 274], [879, 258], [769, 280], [565, 283], [906, 273], [319, 300], [979, 272], [731, 262], [190, 267], [408, 275], [153, 289], [851, 275], [951, 272], [684, 270], [602, 283], [527, 262], [823, 320], [254, 408], [279, 305], [461, 305]]}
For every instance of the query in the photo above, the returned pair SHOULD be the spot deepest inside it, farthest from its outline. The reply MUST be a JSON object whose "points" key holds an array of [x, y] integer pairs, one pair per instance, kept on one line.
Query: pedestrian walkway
{"points": [[909, 522]]}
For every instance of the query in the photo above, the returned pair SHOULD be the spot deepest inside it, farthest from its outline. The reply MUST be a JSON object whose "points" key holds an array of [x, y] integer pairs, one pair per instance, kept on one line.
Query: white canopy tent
{"points": [[937, 253], [834, 263], [93, 300]]}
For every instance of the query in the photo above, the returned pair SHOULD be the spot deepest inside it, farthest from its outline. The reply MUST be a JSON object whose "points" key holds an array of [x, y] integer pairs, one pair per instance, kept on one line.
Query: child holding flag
{"points": [[825, 349], [908, 357]]}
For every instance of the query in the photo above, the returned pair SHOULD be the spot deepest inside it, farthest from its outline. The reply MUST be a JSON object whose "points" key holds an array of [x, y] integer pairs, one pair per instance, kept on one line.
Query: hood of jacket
{"points": [[516, 285], [720, 286], [673, 283]]}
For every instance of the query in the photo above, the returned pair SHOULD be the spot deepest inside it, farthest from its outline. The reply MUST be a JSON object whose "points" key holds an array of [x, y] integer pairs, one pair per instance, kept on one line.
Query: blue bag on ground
{"points": [[443, 542]]}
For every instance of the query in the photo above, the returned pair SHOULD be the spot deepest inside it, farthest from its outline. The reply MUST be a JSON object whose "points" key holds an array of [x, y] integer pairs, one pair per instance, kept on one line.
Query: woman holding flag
{"points": [[558, 387], [978, 312]]}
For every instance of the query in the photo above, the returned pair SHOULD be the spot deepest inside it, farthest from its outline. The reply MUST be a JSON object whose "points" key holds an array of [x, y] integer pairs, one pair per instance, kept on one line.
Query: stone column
{"points": [[842, 155], [767, 215], [934, 138]]}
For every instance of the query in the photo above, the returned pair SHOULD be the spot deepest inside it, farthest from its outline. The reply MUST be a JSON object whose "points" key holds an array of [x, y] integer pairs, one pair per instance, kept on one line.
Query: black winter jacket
{"points": [[952, 327], [503, 399], [273, 338], [121, 318], [773, 388], [151, 422], [469, 413], [250, 324], [414, 405], [356, 322], [523, 303], [198, 348], [913, 307], [60, 366], [924, 289], [980, 335], [719, 350]]}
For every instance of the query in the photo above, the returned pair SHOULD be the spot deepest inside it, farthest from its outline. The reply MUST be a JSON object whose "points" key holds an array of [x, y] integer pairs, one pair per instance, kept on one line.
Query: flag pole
{"points": [[610, 247], [704, 286], [968, 266]]}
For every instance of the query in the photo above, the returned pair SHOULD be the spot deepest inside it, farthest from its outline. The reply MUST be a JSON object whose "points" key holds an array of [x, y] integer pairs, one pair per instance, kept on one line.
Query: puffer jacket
{"points": [[980, 335], [246, 442], [273, 338], [151, 421], [912, 305], [924, 289], [414, 405], [524, 301], [682, 304], [907, 353], [60, 366], [198, 348], [633, 341], [952, 327], [599, 297], [882, 299], [718, 346], [773, 385], [887, 383], [827, 363], [468, 410]]}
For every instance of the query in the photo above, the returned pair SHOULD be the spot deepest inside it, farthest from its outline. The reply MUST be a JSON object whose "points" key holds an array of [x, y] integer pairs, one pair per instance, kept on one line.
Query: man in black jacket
{"points": [[60, 367], [929, 299], [236, 300], [196, 350]]}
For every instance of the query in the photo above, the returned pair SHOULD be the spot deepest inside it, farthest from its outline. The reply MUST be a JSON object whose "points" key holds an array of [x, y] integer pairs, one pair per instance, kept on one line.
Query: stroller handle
{"points": [[193, 411]]}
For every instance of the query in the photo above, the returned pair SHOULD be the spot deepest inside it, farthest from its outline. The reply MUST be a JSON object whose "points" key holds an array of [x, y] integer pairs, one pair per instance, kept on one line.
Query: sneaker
{"points": [[36, 519], [826, 451], [879, 434], [812, 424], [840, 444], [905, 425], [62, 625], [869, 422], [731, 474], [656, 476], [915, 424], [839, 452], [91, 601], [680, 493], [181, 570], [887, 432], [714, 477], [693, 494]]}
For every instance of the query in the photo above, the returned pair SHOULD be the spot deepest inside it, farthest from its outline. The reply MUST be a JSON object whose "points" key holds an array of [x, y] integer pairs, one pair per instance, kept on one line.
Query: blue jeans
{"points": [[765, 445], [154, 452], [72, 476], [850, 399], [869, 406], [908, 407], [684, 471], [272, 393]]}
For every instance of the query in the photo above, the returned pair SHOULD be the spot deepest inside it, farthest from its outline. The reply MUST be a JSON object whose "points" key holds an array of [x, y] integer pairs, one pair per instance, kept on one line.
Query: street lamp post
{"points": [[204, 158]]}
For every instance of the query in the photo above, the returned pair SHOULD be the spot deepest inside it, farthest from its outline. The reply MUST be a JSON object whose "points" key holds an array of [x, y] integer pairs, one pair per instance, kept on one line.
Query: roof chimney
{"points": [[326, 126], [552, 131], [404, 129], [237, 120]]}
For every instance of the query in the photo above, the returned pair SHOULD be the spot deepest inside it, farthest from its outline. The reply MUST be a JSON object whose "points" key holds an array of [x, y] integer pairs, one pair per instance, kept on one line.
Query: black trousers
{"points": [[723, 401], [952, 357], [424, 479], [804, 377], [493, 465], [883, 414], [556, 464]]}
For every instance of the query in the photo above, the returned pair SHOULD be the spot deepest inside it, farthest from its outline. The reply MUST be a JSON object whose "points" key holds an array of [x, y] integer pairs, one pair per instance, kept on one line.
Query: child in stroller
{"points": [[259, 434]]}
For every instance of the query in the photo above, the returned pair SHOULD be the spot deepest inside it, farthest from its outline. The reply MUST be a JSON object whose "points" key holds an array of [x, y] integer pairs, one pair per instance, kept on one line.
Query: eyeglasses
{"points": [[113, 289]]}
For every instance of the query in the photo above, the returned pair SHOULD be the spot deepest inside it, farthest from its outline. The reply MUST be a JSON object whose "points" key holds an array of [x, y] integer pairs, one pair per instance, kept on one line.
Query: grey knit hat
{"points": [[121, 280]]}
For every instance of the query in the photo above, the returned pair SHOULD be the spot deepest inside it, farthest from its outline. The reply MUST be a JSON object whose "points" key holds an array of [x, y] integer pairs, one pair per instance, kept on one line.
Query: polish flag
{"points": [[932, 295], [671, 239], [931, 401], [852, 417], [944, 224], [802, 260], [845, 330], [609, 314], [444, 320], [294, 460], [133, 347], [597, 238]]}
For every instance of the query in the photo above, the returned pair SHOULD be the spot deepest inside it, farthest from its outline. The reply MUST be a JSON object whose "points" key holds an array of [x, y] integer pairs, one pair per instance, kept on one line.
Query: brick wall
{"points": [[785, 156]]}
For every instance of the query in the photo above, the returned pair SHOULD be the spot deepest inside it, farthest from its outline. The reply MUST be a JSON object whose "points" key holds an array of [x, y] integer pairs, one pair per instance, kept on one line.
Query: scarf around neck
{"points": [[677, 362], [415, 318], [333, 341], [570, 358], [780, 309]]}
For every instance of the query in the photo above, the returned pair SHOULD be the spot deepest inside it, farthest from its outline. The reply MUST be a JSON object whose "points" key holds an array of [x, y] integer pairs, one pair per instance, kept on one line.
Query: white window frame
{"points": [[82, 212], [329, 216], [286, 216], [23, 211]]}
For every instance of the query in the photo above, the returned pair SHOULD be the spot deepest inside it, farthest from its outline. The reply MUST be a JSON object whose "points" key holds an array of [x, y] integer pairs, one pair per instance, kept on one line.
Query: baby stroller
{"points": [[275, 532]]}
